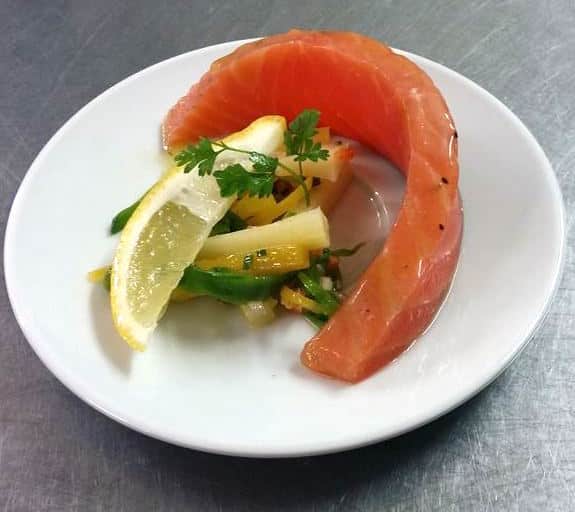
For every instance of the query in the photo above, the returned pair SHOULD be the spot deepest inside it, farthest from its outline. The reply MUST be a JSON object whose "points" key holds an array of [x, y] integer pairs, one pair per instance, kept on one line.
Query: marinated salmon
{"points": [[366, 92]]}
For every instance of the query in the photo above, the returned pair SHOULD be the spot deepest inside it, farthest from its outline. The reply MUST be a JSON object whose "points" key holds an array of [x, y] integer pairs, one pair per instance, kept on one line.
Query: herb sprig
{"points": [[236, 179], [298, 138]]}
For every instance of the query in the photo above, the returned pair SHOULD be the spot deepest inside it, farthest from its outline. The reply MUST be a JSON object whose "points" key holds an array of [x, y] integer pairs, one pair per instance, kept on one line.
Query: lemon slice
{"points": [[168, 229]]}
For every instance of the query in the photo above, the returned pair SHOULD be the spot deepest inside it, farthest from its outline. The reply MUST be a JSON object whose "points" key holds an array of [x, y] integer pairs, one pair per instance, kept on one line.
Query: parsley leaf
{"points": [[234, 179], [263, 163], [302, 128], [201, 154], [312, 151], [298, 138]]}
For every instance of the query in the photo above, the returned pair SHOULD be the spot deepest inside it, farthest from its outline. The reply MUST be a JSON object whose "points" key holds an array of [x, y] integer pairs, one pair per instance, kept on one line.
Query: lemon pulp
{"points": [[168, 229], [171, 239]]}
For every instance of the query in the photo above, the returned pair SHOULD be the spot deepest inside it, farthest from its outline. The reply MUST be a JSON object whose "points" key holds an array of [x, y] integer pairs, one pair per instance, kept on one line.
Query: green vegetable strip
{"points": [[229, 286], [327, 299], [229, 223], [317, 320], [122, 218], [347, 252]]}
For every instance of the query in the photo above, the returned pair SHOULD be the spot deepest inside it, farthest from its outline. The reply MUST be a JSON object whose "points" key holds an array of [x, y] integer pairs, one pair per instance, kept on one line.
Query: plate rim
{"points": [[91, 397]]}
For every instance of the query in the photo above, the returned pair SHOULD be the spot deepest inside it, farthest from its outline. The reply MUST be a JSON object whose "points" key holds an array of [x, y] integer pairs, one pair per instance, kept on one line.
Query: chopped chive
{"points": [[248, 260]]}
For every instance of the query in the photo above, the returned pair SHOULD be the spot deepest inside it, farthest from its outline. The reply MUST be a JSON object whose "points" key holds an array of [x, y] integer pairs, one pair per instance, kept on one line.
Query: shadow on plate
{"points": [[114, 348], [202, 321]]}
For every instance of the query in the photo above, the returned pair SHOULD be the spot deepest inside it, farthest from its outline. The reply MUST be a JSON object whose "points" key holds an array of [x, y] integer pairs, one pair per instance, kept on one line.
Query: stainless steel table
{"points": [[510, 448]]}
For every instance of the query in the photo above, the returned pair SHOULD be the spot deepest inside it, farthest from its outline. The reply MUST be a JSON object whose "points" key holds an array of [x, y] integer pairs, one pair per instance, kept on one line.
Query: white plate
{"points": [[219, 387]]}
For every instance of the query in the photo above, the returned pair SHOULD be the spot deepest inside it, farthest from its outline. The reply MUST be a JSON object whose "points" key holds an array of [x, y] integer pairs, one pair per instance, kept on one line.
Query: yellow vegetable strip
{"points": [[322, 136], [272, 260], [98, 275], [296, 301], [286, 205], [246, 207]]}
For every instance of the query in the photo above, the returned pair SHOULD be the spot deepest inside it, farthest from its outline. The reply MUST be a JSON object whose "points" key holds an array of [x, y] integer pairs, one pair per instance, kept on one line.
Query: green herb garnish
{"points": [[236, 179], [201, 154], [326, 298], [346, 252], [323, 258], [298, 138]]}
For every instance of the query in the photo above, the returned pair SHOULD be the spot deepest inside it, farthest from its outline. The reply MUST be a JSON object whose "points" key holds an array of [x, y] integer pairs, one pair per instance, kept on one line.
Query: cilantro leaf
{"points": [[234, 179], [201, 154]]}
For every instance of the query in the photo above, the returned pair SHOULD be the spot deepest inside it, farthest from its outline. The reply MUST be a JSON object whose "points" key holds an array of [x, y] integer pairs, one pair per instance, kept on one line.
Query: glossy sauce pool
{"points": [[366, 211]]}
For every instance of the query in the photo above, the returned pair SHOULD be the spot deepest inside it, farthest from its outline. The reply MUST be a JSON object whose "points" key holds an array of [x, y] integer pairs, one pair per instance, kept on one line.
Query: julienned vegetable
{"points": [[121, 218], [326, 298], [230, 286], [309, 229], [267, 260], [236, 219], [296, 300], [284, 207]]}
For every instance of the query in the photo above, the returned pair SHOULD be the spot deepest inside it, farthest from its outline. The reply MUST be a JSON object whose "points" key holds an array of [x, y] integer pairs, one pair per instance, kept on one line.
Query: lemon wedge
{"points": [[167, 231]]}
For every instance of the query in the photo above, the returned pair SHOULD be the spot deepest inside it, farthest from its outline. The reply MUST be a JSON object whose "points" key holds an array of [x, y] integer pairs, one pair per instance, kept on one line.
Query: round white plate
{"points": [[207, 381]]}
